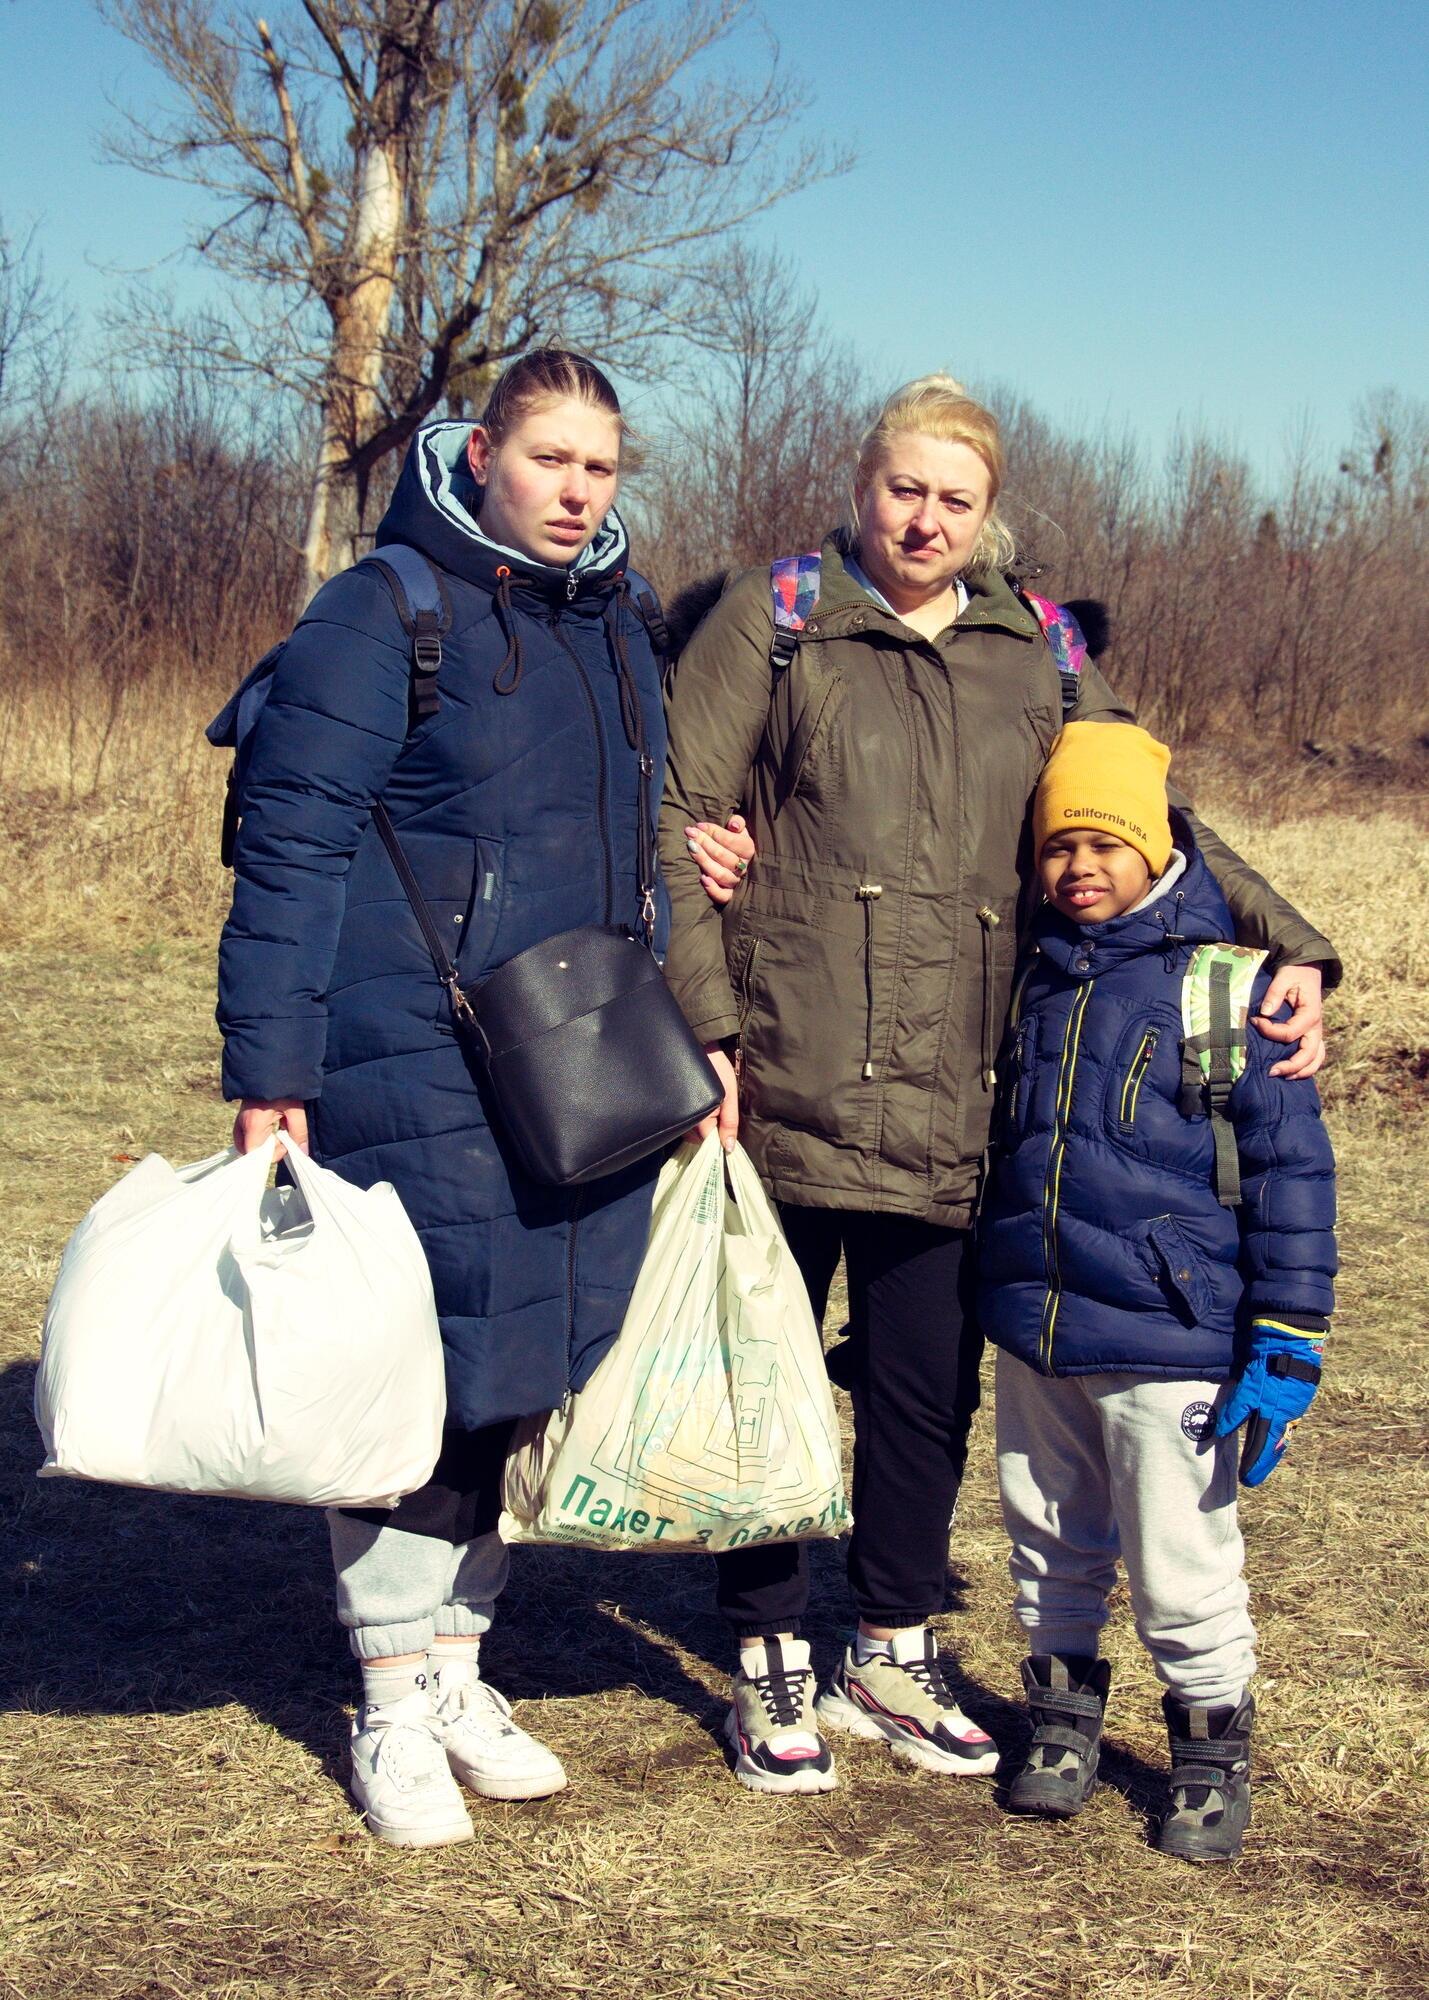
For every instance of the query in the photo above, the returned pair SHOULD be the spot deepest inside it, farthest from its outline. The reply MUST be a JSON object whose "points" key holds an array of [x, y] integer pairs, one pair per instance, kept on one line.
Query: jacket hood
{"points": [[436, 508], [1192, 910]]}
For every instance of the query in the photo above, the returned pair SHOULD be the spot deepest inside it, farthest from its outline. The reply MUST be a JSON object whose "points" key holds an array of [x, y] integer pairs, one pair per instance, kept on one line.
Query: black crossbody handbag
{"points": [[590, 1061]]}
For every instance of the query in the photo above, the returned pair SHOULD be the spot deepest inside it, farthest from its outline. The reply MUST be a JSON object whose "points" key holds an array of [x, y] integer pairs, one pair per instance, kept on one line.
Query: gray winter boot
{"points": [[1067, 1696], [1210, 1779]]}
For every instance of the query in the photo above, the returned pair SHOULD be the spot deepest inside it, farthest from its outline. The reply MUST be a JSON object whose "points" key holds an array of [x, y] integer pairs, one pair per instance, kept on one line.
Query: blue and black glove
{"points": [[1275, 1387]]}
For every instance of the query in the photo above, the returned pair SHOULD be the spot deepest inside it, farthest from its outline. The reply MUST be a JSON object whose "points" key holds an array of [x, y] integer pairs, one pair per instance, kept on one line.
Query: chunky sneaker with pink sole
{"points": [[771, 1727], [902, 1697]]}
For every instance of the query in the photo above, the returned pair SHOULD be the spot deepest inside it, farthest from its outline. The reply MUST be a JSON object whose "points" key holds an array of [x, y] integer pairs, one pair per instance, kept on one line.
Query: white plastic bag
{"points": [[207, 1334], [710, 1423]]}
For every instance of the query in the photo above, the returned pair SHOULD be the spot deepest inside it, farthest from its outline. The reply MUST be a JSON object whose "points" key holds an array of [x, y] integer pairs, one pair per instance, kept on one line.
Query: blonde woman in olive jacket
{"points": [[859, 980]]}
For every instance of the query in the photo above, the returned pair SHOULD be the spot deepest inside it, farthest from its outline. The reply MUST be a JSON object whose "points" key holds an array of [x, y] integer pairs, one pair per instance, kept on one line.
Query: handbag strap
{"points": [[441, 958], [633, 716], [645, 842]]}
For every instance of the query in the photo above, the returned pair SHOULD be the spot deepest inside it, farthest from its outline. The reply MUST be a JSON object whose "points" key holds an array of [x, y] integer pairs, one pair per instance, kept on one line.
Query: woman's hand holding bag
{"points": [[724, 1119]]}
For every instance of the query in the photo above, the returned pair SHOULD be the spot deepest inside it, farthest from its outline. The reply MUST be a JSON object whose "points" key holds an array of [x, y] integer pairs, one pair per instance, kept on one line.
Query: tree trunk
{"points": [[360, 319]]}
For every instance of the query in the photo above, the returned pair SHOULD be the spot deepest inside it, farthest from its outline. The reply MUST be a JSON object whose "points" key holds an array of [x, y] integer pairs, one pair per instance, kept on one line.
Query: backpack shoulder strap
{"points": [[794, 591], [1216, 993], [1014, 1011], [425, 611], [1065, 641], [650, 612]]}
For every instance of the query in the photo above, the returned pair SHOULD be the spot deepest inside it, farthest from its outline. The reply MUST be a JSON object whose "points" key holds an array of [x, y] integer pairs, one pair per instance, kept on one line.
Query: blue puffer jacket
{"points": [[518, 814], [1103, 1245]]}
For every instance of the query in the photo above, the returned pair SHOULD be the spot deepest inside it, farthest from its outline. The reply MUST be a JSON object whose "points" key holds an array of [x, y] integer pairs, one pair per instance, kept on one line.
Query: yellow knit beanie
{"points": [[1112, 775]]}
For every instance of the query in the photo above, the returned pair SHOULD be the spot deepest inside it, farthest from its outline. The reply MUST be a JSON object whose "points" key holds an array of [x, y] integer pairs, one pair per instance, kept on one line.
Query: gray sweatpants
{"points": [[396, 1591], [1095, 1466]]}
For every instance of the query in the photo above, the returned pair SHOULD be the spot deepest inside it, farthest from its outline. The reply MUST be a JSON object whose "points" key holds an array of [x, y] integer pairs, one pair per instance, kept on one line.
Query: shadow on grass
{"points": [[124, 1602]]}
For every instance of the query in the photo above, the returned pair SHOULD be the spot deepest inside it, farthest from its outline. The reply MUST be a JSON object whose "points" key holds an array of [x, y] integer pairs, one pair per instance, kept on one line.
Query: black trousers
{"points": [[462, 1499], [912, 1370]]}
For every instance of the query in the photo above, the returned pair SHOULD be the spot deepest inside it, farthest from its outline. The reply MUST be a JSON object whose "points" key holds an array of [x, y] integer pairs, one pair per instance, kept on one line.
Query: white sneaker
{"points": [[489, 1752], [400, 1778]]}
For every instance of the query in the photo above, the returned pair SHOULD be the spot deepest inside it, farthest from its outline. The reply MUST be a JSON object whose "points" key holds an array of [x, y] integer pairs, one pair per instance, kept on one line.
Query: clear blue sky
{"points": [[1128, 212]]}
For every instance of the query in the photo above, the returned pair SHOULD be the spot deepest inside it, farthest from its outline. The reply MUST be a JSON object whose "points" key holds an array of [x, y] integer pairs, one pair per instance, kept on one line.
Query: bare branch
{"points": [[322, 19], [297, 163]]}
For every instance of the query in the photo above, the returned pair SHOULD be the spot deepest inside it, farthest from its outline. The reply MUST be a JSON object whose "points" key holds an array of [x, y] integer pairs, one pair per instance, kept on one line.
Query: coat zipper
{"points": [[577, 1205], [1131, 1089], [1012, 1115], [868, 894], [601, 774], [1066, 1079], [989, 919], [746, 984]]}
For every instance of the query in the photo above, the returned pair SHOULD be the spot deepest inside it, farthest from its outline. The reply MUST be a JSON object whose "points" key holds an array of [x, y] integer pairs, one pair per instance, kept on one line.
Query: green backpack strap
{"points": [[1215, 1009]]}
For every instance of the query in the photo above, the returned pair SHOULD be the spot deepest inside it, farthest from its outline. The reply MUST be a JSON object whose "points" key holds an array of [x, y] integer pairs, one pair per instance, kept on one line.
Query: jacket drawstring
{"points": [[989, 919], [507, 677], [868, 895]]}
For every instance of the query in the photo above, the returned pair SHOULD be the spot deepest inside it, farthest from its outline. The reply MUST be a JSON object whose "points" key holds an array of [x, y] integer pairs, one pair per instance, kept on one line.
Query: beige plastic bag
{"points": [[710, 1423]]}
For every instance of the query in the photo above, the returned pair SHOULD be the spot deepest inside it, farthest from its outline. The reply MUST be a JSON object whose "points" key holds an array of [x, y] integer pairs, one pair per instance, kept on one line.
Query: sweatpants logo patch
{"points": [[1196, 1421]]}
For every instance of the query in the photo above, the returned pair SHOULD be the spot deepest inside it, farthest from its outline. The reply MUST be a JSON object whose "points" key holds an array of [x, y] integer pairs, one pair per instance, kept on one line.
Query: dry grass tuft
{"points": [[1364, 880], [171, 1820]]}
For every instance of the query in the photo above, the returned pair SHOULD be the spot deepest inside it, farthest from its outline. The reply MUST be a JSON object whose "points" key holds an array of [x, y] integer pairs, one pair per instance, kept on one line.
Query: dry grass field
{"points": [[174, 1692]]}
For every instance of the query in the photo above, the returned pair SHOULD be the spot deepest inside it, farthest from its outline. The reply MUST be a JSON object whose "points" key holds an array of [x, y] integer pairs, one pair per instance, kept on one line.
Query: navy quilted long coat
{"points": [[518, 814], [1103, 1244]]}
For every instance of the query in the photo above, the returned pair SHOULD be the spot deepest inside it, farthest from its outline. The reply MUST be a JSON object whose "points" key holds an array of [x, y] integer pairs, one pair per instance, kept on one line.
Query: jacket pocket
{"points": [[745, 986], [472, 926], [801, 996], [1043, 723], [1181, 1271], [1017, 1090], [1132, 1078]]}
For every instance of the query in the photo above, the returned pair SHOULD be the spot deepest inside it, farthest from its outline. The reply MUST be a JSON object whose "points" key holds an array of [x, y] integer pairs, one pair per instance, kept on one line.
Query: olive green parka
{"points": [[865, 964]]}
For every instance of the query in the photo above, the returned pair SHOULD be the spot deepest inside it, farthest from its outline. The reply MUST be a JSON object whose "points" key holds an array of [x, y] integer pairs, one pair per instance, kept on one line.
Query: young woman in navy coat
{"points": [[516, 804]]}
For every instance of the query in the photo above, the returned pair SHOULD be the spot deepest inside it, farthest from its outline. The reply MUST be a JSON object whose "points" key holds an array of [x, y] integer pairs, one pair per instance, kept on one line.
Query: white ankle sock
{"points": [[754, 1658], [383, 1685], [452, 1664], [903, 1646], [910, 1644]]}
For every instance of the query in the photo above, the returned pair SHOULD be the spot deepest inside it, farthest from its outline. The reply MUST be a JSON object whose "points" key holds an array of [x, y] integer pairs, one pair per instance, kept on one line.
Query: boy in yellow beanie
{"points": [[1113, 785], [1155, 1271]]}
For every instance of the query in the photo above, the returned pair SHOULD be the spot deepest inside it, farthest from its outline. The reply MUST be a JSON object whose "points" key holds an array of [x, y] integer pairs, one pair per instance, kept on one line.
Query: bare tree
{"points": [[757, 451], [408, 192], [34, 338]]}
